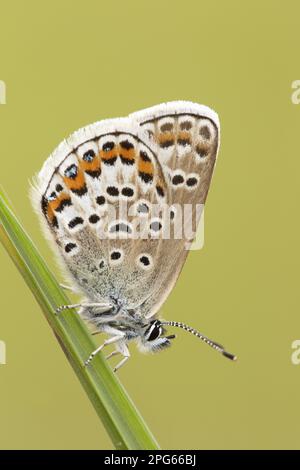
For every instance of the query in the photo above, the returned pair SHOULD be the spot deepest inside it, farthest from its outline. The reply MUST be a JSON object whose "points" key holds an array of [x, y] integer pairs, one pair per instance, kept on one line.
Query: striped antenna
{"points": [[212, 344]]}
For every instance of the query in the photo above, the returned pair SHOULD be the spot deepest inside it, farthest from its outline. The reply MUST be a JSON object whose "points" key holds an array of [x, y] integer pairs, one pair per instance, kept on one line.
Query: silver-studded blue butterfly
{"points": [[114, 198]]}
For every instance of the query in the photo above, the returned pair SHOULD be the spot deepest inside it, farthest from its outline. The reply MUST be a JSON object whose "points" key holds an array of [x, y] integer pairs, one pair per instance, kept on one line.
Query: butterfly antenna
{"points": [[212, 344]]}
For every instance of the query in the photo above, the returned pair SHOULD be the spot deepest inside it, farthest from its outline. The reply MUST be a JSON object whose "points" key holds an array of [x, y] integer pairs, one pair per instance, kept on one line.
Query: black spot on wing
{"points": [[69, 247], [76, 221], [192, 181], [71, 171], [145, 260], [144, 156], [94, 218], [205, 132], [107, 146], [177, 179], [146, 177], [127, 191], [93, 173], [80, 191], [201, 151], [168, 126], [89, 156], [100, 200], [186, 125], [125, 144], [127, 161], [167, 143], [160, 191], [110, 161], [63, 203], [115, 255], [184, 142], [112, 191], [54, 222]]}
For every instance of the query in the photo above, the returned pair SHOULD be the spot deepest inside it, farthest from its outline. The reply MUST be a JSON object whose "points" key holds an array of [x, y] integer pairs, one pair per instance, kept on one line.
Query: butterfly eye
{"points": [[153, 332]]}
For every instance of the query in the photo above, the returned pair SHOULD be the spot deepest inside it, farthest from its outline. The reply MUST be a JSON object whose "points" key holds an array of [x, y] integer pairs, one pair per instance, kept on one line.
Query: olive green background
{"points": [[67, 64]]}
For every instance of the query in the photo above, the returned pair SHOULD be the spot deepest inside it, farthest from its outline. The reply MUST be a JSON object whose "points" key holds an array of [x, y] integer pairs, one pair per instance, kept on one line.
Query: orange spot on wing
{"points": [[108, 155], [94, 165], [75, 183], [127, 154], [50, 214], [166, 136], [146, 167], [184, 135], [53, 205]]}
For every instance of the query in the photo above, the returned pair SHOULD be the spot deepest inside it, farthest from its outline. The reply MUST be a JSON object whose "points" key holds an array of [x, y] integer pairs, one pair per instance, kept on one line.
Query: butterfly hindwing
{"points": [[185, 137]]}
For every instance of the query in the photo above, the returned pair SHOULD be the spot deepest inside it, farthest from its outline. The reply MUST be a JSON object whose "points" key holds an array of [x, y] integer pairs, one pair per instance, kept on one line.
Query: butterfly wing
{"points": [[185, 137], [108, 194], [94, 193]]}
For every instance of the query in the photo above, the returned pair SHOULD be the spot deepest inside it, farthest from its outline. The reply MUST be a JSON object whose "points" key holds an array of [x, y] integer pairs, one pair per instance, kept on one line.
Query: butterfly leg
{"points": [[121, 363], [101, 307], [113, 339], [96, 332], [65, 287], [114, 353], [123, 349]]}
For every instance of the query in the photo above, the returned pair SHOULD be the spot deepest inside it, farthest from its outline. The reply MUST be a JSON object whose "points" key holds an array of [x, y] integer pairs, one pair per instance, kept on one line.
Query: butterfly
{"points": [[113, 197]]}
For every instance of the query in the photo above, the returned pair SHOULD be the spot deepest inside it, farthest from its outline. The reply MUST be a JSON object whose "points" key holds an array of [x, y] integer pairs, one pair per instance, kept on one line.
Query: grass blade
{"points": [[111, 402]]}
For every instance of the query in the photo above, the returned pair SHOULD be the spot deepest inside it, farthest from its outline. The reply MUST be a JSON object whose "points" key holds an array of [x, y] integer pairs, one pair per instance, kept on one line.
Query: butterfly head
{"points": [[153, 338]]}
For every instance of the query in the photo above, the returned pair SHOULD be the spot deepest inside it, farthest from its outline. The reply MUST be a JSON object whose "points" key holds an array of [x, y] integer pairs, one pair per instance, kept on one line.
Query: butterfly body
{"points": [[112, 198]]}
